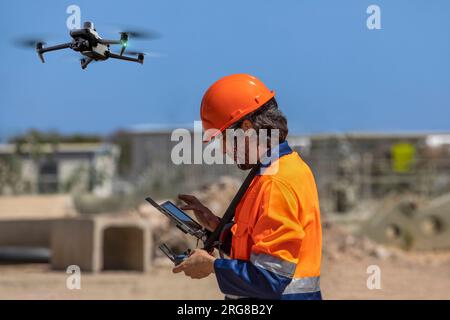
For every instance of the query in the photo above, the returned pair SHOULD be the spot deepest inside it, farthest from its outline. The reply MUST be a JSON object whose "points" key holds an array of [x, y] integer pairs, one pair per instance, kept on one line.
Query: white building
{"points": [[60, 168]]}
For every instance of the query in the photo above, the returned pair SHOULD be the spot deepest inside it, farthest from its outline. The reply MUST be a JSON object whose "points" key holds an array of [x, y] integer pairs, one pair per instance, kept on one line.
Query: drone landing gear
{"points": [[84, 62]]}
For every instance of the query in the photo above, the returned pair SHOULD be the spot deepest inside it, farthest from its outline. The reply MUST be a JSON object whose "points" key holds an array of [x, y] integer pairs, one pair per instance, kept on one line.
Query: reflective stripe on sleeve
{"points": [[303, 285], [273, 264]]}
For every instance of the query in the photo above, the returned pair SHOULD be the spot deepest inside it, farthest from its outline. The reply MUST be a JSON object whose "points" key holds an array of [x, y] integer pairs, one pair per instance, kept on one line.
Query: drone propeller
{"points": [[27, 42], [141, 34], [135, 53], [136, 34], [126, 32]]}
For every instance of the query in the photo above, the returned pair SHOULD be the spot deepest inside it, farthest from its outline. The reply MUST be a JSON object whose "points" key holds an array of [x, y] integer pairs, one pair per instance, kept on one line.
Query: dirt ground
{"points": [[344, 273], [347, 279], [342, 278]]}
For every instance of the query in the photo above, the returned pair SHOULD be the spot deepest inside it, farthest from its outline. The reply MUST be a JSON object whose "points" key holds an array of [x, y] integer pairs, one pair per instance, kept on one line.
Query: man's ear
{"points": [[246, 124]]}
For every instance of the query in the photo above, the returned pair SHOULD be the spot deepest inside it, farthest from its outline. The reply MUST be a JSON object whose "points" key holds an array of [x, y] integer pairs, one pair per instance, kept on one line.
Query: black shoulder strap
{"points": [[213, 238]]}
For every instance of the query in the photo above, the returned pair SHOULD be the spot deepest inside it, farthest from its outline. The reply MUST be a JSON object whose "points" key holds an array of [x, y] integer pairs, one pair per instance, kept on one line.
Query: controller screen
{"points": [[174, 210]]}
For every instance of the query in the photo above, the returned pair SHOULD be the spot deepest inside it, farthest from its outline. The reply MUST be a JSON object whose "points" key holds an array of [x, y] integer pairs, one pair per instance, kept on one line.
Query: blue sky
{"points": [[330, 73]]}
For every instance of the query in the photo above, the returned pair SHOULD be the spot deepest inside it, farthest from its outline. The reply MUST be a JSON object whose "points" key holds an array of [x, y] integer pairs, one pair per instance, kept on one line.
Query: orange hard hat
{"points": [[229, 99]]}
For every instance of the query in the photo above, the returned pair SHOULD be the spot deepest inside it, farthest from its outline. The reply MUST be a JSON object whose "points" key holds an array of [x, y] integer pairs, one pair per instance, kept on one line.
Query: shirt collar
{"points": [[274, 154]]}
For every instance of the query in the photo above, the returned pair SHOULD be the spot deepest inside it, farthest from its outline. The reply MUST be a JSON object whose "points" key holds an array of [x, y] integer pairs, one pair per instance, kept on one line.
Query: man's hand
{"points": [[200, 264], [206, 218]]}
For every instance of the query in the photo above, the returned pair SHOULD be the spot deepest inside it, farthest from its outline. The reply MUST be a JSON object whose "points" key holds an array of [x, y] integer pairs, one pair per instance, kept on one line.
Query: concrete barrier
{"points": [[101, 243], [26, 232]]}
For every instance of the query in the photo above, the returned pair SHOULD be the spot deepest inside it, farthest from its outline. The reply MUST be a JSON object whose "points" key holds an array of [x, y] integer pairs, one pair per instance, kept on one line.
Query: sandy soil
{"points": [[344, 272], [347, 279], [342, 278]]}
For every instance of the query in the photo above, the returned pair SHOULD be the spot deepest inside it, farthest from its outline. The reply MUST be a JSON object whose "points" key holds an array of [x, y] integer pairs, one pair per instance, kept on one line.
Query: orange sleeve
{"points": [[278, 231]]}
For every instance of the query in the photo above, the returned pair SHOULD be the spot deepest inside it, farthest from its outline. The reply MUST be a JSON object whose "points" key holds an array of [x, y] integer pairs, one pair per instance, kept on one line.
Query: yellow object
{"points": [[403, 155]]}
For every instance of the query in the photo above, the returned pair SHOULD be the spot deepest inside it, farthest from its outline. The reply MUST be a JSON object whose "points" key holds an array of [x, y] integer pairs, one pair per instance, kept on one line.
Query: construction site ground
{"points": [[344, 276]]}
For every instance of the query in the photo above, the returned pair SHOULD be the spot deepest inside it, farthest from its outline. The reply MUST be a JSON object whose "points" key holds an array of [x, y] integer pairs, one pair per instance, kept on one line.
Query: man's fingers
{"points": [[187, 207], [179, 268], [187, 198]]}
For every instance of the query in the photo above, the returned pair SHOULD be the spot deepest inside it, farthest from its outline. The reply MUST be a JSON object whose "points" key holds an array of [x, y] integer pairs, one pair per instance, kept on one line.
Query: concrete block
{"points": [[26, 232], [101, 243]]}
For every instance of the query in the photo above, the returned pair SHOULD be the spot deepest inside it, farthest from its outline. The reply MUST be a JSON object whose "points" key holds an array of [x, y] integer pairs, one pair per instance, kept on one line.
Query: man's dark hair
{"points": [[268, 116]]}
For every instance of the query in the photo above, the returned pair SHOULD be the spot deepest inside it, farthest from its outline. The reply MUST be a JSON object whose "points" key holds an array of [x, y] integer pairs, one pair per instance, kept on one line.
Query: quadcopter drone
{"points": [[87, 41]]}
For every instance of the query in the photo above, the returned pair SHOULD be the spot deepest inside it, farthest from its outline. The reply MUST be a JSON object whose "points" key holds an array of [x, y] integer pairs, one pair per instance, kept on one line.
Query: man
{"points": [[276, 236]]}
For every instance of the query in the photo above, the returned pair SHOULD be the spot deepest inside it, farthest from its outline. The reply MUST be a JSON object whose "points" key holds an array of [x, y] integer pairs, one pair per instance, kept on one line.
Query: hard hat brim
{"points": [[207, 137]]}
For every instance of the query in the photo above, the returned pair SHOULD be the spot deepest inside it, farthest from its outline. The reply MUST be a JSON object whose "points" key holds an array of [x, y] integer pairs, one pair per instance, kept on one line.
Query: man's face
{"points": [[241, 148]]}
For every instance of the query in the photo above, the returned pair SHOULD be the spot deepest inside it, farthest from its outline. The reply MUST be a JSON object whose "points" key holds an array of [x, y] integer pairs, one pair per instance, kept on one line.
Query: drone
{"points": [[87, 41]]}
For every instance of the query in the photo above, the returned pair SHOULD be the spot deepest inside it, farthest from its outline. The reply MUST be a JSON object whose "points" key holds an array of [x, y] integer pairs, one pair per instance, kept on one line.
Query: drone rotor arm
{"points": [[40, 49], [57, 47], [122, 42], [106, 41], [116, 56]]}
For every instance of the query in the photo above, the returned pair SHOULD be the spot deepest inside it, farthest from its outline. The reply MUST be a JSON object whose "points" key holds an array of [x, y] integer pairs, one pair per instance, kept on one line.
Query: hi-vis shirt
{"points": [[277, 236]]}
